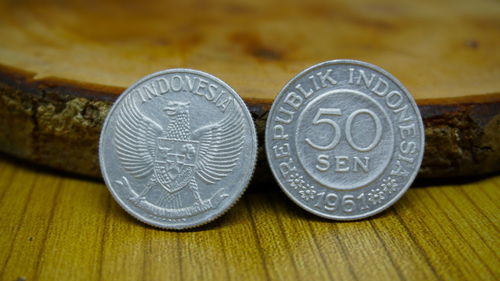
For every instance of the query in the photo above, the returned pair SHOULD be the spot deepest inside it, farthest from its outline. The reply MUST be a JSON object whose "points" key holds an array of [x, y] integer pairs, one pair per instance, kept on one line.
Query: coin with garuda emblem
{"points": [[344, 139], [177, 148]]}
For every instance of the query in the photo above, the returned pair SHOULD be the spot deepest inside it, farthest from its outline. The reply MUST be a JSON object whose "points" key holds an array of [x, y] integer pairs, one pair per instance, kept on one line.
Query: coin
{"points": [[344, 139], [178, 148]]}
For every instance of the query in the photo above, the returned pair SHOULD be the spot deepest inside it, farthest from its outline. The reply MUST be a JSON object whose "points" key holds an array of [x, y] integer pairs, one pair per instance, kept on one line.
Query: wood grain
{"points": [[62, 64], [63, 228], [436, 49]]}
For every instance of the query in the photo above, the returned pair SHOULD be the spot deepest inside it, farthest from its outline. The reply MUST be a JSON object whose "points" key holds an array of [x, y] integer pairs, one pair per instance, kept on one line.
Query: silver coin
{"points": [[177, 148], [344, 139]]}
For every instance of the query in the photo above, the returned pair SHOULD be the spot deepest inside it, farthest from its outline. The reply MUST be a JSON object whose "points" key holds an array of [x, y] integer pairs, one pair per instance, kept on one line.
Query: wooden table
{"points": [[63, 63], [55, 227]]}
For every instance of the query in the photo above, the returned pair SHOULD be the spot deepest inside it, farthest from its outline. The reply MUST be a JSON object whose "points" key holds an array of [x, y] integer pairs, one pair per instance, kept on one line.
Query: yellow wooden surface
{"points": [[56, 227]]}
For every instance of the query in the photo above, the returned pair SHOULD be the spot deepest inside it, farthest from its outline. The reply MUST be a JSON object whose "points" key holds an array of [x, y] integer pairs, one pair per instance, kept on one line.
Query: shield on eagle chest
{"points": [[175, 162]]}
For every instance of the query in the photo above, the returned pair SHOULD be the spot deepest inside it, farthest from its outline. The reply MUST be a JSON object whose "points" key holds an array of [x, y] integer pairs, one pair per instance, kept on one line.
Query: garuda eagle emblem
{"points": [[175, 157]]}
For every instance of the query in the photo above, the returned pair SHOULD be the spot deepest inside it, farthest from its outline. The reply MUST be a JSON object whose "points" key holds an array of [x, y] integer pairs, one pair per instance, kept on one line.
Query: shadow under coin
{"points": [[227, 219], [289, 208]]}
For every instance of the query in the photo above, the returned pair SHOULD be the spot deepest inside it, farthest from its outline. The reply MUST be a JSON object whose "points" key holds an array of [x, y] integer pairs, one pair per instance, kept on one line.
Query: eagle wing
{"points": [[135, 139], [220, 146]]}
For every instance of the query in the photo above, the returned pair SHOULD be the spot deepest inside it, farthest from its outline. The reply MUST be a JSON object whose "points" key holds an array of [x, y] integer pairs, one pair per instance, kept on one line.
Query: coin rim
{"points": [[219, 212], [411, 177]]}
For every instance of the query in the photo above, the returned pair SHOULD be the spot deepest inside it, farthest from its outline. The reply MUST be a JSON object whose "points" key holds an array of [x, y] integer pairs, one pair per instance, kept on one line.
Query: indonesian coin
{"points": [[178, 148], [344, 139]]}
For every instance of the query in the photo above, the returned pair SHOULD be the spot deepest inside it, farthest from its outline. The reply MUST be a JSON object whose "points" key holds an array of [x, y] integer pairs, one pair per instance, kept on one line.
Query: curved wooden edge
{"points": [[57, 122]]}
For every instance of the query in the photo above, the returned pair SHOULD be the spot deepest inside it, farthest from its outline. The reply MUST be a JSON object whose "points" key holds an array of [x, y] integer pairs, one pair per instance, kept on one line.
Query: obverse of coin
{"points": [[344, 139], [177, 148]]}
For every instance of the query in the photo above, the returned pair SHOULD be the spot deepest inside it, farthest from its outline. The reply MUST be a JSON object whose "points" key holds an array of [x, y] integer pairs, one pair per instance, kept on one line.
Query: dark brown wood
{"points": [[57, 123]]}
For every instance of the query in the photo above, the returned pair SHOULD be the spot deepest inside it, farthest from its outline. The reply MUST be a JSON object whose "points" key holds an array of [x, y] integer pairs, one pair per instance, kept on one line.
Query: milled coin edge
{"points": [[179, 226]]}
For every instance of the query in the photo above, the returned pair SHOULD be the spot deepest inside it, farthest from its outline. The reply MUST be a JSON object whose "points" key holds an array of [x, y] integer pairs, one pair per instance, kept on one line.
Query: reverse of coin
{"points": [[178, 148], [344, 139]]}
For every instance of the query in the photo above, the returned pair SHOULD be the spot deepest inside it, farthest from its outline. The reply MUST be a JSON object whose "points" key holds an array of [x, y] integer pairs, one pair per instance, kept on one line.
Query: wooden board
{"points": [[62, 228], [62, 64]]}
